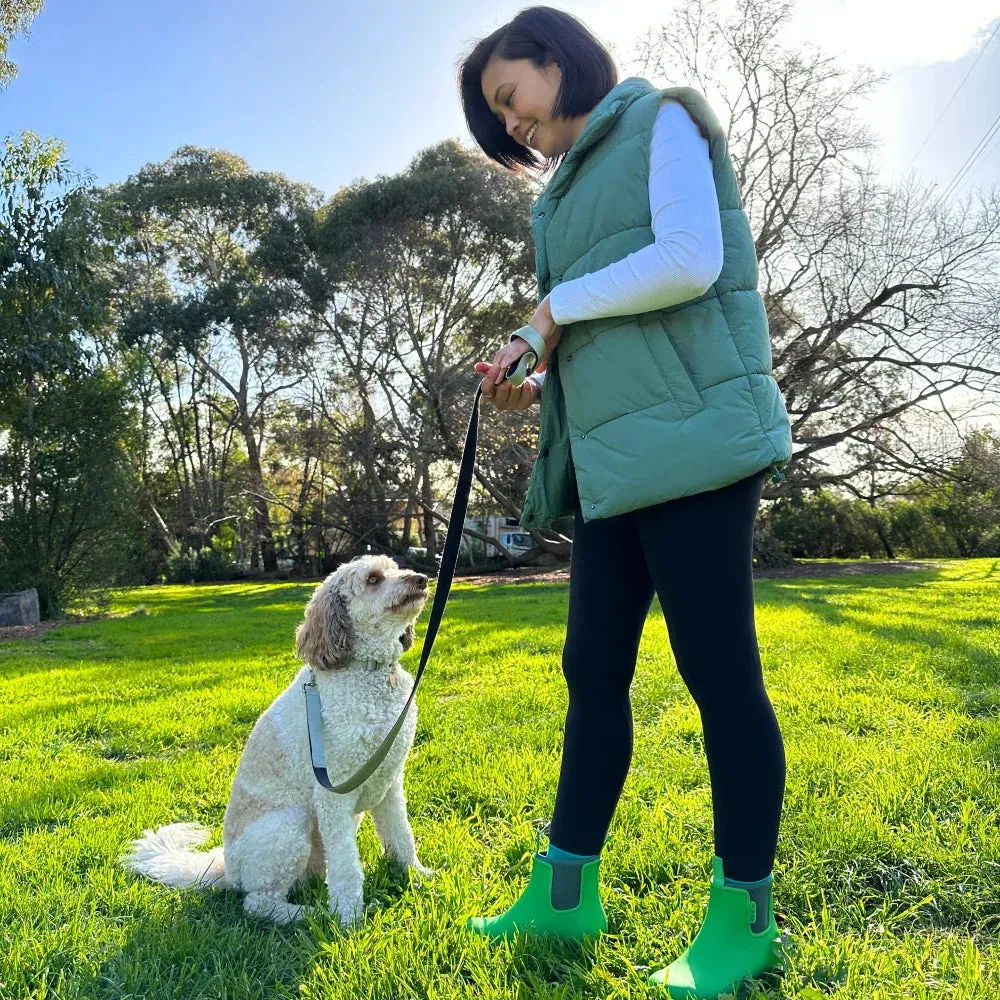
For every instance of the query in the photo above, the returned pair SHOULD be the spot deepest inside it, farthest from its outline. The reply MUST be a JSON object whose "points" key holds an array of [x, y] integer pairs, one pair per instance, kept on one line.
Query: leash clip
{"points": [[314, 729]]}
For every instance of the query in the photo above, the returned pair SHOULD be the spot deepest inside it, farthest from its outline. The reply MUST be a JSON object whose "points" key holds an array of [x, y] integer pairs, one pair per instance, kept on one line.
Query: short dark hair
{"points": [[543, 35]]}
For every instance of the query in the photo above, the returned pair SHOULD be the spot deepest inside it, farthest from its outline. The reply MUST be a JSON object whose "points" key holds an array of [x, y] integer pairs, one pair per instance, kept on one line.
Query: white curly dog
{"points": [[281, 825]]}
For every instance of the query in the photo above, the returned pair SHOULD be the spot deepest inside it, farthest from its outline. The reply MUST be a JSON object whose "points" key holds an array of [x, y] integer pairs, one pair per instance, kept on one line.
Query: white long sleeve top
{"points": [[685, 258]]}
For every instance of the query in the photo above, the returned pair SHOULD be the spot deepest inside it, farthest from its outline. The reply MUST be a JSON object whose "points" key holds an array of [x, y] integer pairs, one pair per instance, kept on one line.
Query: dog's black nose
{"points": [[420, 578]]}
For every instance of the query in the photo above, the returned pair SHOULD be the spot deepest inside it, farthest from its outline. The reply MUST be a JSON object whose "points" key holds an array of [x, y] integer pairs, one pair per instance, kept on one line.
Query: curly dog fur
{"points": [[280, 825]]}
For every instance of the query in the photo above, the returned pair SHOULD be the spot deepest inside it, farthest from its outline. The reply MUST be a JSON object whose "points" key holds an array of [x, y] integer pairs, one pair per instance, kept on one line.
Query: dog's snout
{"points": [[420, 578]]}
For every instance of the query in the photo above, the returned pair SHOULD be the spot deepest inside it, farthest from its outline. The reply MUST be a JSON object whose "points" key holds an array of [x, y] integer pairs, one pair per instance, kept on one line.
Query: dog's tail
{"points": [[165, 856]]}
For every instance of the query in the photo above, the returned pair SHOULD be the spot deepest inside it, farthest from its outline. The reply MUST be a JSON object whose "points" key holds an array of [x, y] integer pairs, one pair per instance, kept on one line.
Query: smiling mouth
{"points": [[530, 134]]}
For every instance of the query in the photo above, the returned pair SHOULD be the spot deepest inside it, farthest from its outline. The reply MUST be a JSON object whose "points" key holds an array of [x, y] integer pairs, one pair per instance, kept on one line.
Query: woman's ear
{"points": [[325, 639]]}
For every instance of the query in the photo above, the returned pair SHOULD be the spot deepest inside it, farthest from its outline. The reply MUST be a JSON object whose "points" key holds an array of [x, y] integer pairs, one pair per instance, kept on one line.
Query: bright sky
{"points": [[329, 92]]}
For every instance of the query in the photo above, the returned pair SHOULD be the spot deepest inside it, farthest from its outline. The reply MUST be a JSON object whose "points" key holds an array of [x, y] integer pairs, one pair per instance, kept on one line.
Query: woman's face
{"points": [[522, 96]]}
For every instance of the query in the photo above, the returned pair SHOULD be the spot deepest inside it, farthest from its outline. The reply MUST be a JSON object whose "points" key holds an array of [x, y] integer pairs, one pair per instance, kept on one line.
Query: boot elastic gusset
{"points": [[553, 903]]}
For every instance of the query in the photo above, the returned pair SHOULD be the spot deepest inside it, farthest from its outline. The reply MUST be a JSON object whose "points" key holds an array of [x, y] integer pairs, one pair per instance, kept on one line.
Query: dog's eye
{"points": [[373, 579]]}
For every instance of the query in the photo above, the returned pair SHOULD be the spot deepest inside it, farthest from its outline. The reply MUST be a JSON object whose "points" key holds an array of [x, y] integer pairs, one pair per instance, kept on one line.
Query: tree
{"points": [[64, 421], [959, 515], [411, 279], [15, 19], [193, 227], [966, 503], [44, 283], [820, 524], [882, 300], [68, 528]]}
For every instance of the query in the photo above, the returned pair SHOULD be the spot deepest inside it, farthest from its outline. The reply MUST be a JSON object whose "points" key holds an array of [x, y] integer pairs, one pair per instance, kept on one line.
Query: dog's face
{"points": [[365, 609]]}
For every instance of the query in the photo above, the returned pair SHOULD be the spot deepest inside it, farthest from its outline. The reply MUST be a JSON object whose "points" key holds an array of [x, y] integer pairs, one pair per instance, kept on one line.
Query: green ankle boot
{"points": [[561, 899], [726, 949]]}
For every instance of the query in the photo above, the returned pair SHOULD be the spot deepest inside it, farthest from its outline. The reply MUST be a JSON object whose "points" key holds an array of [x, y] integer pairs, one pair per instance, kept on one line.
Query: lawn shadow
{"points": [[566, 965], [937, 626], [205, 945]]}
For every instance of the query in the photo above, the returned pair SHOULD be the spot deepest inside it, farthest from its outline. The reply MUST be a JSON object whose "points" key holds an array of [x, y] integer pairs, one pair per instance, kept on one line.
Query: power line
{"points": [[971, 159], [982, 157], [954, 95]]}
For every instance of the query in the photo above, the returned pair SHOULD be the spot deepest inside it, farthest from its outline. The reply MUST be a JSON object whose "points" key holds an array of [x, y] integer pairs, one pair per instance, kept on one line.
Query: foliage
{"points": [[66, 423], [956, 515], [67, 519], [211, 562], [15, 19]]}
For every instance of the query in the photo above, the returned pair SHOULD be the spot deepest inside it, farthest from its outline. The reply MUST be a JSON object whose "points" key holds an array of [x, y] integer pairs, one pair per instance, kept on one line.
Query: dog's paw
{"points": [[348, 915], [421, 873]]}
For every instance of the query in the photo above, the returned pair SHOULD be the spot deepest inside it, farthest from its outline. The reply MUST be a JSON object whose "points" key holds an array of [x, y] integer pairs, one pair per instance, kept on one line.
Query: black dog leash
{"points": [[516, 374]]}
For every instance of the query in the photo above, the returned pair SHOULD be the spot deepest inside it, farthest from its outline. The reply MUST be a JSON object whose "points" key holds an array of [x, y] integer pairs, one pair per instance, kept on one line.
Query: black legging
{"points": [[696, 553]]}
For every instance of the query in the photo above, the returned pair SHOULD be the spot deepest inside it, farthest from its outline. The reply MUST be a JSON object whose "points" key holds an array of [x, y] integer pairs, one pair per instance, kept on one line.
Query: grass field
{"points": [[888, 879]]}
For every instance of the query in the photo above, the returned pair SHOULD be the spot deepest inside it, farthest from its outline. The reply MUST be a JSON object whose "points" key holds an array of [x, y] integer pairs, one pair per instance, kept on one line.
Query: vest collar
{"points": [[601, 119]]}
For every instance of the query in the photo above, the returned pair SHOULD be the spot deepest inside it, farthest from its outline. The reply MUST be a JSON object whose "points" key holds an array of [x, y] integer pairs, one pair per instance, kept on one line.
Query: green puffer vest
{"points": [[645, 408]]}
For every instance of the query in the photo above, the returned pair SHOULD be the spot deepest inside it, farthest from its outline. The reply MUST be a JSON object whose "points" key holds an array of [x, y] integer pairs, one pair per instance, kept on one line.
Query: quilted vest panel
{"points": [[645, 408]]}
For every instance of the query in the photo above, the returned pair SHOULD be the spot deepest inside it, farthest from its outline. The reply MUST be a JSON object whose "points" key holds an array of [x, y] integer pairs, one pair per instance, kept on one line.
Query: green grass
{"points": [[888, 876]]}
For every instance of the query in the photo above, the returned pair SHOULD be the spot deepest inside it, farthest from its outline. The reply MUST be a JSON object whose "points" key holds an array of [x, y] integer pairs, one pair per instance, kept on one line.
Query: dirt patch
{"points": [[859, 568], [525, 574], [34, 631]]}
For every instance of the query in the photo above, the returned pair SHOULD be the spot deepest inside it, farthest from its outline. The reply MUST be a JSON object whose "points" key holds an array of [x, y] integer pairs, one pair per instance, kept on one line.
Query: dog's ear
{"points": [[408, 636], [324, 640], [339, 631]]}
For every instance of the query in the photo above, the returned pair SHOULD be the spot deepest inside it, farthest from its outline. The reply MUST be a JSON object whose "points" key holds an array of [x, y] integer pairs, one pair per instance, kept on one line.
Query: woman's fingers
{"points": [[500, 363], [505, 396], [509, 397], [501, 398], [496, 388], [483, 367], [489, 384], [506, 357]]}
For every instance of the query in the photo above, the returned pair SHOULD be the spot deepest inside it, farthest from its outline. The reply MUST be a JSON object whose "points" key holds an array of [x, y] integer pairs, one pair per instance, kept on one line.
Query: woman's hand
{"points": [[506, 396], [495, 385]]}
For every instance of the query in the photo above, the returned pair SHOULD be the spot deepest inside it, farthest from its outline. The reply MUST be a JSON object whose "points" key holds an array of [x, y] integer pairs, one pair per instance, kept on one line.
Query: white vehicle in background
{"points": [[474, 550], [516, 542]]}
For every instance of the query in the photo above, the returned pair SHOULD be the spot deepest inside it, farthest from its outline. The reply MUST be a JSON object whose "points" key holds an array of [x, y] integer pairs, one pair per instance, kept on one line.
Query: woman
{"points": [[660, 424]]}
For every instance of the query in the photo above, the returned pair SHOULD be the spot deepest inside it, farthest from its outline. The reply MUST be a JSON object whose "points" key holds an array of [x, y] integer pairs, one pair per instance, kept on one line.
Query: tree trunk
{"points": [[262, 517], [162, 531], [430, 538], [883, 537], [408, 522], [32, 463]]}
